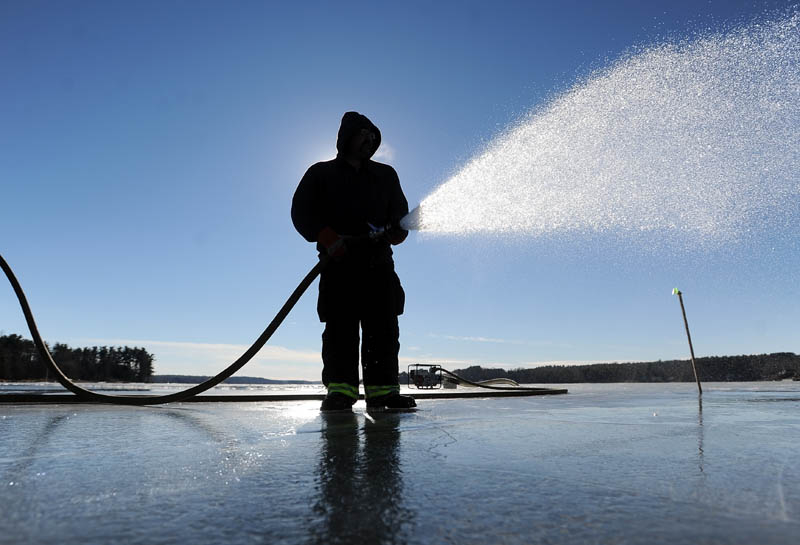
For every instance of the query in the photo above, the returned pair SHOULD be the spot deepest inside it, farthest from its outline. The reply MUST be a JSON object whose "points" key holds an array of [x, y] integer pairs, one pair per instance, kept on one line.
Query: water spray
{"points": [[691, 144], [413, 220]]}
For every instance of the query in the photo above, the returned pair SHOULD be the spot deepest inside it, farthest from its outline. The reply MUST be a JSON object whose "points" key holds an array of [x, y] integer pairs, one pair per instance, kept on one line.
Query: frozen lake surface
{"points": [[618, 463]]}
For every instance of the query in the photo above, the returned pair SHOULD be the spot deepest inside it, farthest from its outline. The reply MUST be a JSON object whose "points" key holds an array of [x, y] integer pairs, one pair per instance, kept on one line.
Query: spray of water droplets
{"points": [[697, 140]]}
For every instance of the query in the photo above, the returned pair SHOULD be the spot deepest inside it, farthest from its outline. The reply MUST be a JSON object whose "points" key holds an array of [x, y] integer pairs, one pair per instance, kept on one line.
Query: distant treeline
{"points": [[19, 360], [780, 365]]}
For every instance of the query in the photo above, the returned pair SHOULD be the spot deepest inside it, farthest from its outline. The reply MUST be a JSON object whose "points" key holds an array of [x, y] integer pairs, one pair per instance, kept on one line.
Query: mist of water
{"points": [[698, 140]]}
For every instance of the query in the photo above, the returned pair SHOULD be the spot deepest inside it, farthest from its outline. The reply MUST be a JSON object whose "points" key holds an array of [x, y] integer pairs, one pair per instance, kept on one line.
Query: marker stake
{"points": [[677, 292]]}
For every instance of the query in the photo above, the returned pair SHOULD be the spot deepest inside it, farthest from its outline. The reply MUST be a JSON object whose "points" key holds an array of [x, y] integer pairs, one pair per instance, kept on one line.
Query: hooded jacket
{"points": [[334, 194]]}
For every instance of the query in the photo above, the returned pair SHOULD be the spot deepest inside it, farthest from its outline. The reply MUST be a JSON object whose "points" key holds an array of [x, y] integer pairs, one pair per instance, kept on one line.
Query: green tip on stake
{"points": [[676, 291]]}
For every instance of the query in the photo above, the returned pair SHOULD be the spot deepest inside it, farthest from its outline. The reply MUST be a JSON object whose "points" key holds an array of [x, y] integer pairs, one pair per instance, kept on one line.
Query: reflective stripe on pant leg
{"points": [[343, 388], [377, 391]]}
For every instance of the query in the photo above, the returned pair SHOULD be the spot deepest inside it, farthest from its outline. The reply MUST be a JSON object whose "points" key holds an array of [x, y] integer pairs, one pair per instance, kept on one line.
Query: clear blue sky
{"points": [[149, 152]]}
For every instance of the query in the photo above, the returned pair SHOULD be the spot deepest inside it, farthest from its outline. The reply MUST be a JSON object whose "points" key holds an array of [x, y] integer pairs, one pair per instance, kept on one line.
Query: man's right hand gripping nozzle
{"points": [[333, 243], [395, 234]]}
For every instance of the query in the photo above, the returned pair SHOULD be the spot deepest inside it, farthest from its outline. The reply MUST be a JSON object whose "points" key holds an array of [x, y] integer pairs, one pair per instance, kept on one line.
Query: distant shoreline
{"points": [[751, 368]]}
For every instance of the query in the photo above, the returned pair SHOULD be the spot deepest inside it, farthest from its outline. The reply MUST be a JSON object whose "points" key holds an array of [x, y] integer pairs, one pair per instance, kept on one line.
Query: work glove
{"points": [[396, 236], [333, 243]]}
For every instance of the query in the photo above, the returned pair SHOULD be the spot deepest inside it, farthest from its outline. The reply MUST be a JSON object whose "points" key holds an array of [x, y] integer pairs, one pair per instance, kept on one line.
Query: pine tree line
{"points": [[19, 360], [777, 366]]}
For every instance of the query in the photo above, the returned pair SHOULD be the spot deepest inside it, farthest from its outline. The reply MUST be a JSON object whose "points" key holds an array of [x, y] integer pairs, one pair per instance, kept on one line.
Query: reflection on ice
{"points": [[360, 480]]}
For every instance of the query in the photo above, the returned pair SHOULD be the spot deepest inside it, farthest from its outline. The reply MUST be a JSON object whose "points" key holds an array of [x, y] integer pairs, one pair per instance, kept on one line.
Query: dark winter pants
{"points": [[379, 349], [369, 300]]}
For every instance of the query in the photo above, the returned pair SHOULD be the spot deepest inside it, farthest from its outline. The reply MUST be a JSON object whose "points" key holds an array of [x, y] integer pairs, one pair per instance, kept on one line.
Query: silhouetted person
{"points": [[337, 204]]}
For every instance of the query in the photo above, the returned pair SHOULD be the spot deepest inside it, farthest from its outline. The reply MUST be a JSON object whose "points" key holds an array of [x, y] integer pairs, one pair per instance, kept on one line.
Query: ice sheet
{"points": [[637, 463]]}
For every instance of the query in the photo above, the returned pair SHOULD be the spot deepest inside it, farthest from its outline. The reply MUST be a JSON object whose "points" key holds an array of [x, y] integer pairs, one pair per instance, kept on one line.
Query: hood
{"points": [[352, 122]]}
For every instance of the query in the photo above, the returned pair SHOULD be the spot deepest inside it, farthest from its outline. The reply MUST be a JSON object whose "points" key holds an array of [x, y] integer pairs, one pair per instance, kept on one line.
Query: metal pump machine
{"points": [[428, 376]]}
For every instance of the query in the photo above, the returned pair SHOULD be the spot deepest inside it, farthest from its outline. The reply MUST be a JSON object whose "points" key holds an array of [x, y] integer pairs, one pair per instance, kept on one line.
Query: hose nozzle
{"points": [[413, 220]]}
